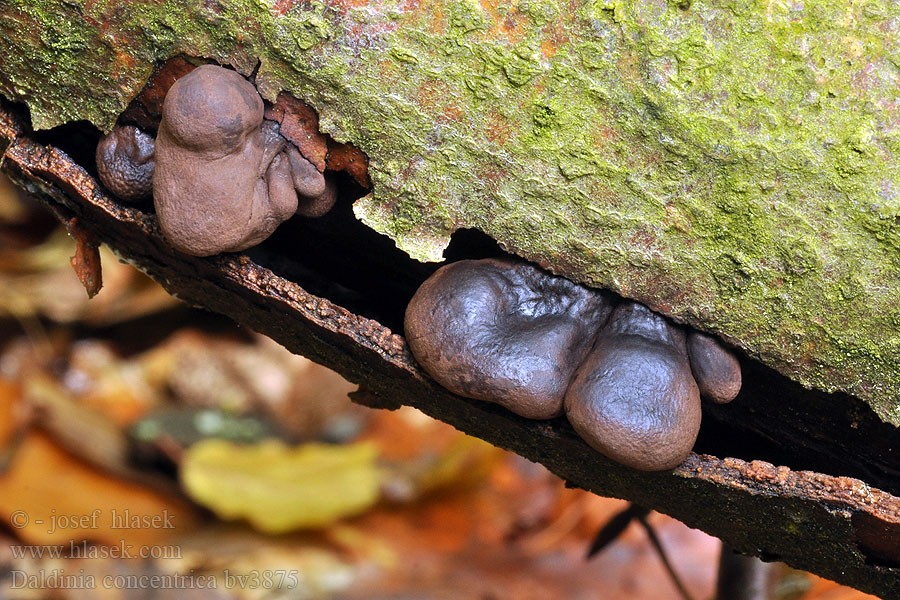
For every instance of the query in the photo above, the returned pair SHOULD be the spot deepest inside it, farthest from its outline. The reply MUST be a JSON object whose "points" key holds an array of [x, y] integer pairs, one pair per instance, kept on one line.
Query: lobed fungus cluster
{"points": [[628, 380], [223, 178], [125, 163]]}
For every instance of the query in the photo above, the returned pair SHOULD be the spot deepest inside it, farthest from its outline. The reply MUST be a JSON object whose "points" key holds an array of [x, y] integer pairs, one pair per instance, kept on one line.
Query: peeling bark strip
{"points": [[837, 527], [86, 261]]}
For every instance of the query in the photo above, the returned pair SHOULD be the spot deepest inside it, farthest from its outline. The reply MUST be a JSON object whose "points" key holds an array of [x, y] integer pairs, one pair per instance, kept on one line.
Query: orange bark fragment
{"points": [[344, 157], [300, 125], [86, 261], [146, 108]]}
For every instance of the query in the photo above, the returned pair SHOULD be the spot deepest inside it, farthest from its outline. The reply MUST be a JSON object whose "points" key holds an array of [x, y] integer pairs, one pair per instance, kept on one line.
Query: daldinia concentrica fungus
{"points": [[507, 332], [317, 193], [308, 181], [220, 184], [225, 178], [503, 331], [634, 398], [716, 370], [125, 162]]}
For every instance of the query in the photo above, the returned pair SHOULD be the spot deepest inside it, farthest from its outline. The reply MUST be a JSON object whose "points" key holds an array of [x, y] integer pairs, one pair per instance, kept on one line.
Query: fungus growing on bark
{"points": [[317, 193], [634, 398], [222, 183], [503, 331], [716, 370], [225, 178], [125, 162], [316, 206], [507, 332]]}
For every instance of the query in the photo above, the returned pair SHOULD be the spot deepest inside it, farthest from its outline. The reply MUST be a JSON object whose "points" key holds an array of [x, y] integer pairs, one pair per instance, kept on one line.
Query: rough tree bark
{"points": [[797, 259], [839, 527]]}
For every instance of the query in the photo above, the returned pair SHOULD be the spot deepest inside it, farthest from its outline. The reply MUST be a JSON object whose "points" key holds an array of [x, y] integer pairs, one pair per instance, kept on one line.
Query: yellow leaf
{"points": [[278, 488]]}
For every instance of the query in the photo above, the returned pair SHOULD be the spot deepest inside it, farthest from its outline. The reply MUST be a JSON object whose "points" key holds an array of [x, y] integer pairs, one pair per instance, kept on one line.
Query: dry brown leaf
{"points": [[45, 486], [11, 411], [102, 381], [467, 462], [82, 431], [304, 400], [824, 589], [38, 282], [408, 434]]}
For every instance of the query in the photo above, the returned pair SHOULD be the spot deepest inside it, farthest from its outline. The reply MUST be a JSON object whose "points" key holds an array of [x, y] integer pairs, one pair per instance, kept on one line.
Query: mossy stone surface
{"points": [[729, 163]]}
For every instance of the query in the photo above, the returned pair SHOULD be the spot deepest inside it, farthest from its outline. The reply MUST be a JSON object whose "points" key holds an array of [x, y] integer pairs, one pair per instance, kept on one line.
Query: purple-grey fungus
{"points": [[507, 332], [716, 370], [504, 331], [125, 162], [317, 193], [634, 399], [308, 181], [225, 178]]}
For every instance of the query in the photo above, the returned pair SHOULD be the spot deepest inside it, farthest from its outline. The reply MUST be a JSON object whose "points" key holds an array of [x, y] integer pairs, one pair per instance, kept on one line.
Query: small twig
{"points": [[657, 545], [742, 577], [616, 525], [614, 528]]}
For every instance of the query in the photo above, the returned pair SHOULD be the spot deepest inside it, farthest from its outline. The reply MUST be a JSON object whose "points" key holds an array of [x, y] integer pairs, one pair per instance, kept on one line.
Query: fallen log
{"points": [[835, 523]]}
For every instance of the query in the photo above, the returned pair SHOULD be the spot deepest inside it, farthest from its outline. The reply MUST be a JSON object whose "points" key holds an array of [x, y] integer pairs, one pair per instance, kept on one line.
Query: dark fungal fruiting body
{"points": [[225, 178], [125, 163], [634, 398], [716, 370], [498, 330], [218, 186], [503, 331], [507, 332], [317, 193]]}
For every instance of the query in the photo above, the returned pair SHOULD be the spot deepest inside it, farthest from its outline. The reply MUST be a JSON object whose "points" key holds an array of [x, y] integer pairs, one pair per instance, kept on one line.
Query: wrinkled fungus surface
{"points": [[716, 370], [125, 163], [634, 398], [503, 331], [218, 186], [507, 332], [226, 178]]}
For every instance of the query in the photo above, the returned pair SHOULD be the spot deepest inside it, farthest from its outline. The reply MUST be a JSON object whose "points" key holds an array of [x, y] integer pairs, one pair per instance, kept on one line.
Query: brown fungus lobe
{"points": [[125, 163], [317, 193], [225, 177], [507, 332], [218, 186], [503, 331], [634, 398], [716, 370]]}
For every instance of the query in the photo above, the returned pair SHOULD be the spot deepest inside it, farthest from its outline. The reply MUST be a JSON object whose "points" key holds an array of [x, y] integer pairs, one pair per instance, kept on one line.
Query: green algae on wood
{"points": [[728, 163]]}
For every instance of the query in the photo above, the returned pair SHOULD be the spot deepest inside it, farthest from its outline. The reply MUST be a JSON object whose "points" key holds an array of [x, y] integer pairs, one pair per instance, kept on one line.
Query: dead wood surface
{"points": [[839, 527]]}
